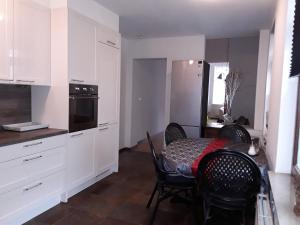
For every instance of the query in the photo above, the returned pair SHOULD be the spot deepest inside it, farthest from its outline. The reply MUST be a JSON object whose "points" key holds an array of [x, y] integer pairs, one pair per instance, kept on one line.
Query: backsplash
{"points": [[15, 104]]}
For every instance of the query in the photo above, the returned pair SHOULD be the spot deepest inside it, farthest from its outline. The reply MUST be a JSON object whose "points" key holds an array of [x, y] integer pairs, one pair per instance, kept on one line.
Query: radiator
{"points": [[263, 210]]}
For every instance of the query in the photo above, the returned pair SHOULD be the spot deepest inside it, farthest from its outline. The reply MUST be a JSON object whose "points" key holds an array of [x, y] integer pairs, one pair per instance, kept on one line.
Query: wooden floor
{"points": [[120, 199]]}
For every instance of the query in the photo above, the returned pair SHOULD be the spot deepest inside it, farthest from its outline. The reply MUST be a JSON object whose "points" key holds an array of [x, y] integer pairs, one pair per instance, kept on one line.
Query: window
{"points": [[219, 71]]}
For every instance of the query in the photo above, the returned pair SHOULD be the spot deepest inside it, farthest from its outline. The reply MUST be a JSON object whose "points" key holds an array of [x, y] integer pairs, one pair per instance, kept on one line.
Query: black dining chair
{"points": [[174, 132], [168, 183], [228, 180], [235, 133]]}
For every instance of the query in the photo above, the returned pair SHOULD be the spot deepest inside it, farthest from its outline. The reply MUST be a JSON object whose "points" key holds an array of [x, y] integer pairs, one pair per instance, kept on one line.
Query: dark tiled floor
{"points": [[121, 199]]}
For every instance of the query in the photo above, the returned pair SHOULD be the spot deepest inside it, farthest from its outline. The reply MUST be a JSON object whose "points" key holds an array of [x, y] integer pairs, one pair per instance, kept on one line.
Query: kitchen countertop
{"points": [[283, 190], [12, 137]]}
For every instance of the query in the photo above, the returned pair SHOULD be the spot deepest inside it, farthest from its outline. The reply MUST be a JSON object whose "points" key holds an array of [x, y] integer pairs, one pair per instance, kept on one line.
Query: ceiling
{"points": [[214, 18]]}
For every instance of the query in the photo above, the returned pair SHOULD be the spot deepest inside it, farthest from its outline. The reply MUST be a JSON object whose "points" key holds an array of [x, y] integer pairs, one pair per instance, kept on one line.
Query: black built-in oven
{"points": [[83, 107]]}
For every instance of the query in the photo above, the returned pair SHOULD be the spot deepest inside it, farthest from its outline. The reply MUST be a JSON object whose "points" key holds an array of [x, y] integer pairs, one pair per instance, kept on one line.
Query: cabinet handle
{"points": [[34, 144], [103, 128], [6, 79], [32, 187], [29, 81], [110, 42], [33, 158], [103, 124], [76, 135], [75, 80]]}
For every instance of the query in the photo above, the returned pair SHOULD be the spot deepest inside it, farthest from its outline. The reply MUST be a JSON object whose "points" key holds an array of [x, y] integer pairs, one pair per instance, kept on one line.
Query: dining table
{"points": [[181, 154]]}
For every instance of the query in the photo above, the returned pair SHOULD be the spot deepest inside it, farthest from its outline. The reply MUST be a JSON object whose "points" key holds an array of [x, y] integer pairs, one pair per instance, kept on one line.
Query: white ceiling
{"points": [[214, 18]]}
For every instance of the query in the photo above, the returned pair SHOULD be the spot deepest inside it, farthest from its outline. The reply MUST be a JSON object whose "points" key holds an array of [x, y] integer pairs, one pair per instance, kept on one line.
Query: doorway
{"points": [[148, 97]]}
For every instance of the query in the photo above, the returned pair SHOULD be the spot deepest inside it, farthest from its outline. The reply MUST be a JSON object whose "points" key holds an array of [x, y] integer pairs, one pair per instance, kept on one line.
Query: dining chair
{"points": [[168, 183], [228, 180], [174, 132], [235, 133]]}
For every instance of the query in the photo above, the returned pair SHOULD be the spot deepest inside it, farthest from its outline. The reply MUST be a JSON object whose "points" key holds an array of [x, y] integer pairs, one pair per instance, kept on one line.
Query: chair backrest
{"points": [[152, 149], [229, 175], [157, 161], [235, 133], [174, 132]]}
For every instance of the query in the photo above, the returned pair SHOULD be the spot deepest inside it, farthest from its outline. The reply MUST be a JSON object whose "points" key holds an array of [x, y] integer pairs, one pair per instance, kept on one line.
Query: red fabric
{"points": [[212, 146]]}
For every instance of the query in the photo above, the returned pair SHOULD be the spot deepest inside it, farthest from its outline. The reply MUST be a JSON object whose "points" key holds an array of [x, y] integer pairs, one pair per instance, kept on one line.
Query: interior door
{"points": [[107, 62], [6, 40]]}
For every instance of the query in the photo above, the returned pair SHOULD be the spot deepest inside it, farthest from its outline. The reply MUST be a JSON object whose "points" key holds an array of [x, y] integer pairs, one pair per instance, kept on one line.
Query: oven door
{"points": [[82, 112]]}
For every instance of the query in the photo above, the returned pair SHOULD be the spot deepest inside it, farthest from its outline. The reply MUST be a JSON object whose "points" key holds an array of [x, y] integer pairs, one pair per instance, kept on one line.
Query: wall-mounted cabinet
{"points": [[108, 37], [82, 32], [32, 43], [25, 41], [6, 41]]}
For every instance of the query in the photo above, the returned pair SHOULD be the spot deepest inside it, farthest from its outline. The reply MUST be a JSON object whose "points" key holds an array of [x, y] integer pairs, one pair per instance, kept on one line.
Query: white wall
{"points": [[283, 93], [148, 97], [174, 48], [95, 11], [261, 81]]}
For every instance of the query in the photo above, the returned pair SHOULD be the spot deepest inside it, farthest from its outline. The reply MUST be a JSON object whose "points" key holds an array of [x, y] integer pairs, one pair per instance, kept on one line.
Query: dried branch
{"points": [[232, 84]]}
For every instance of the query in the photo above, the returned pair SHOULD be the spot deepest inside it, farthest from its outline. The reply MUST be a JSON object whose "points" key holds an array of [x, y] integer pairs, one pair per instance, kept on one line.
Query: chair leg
{"points": [[244, 215], [152, 196], [155, 209], [196, 204], [206, 212]]}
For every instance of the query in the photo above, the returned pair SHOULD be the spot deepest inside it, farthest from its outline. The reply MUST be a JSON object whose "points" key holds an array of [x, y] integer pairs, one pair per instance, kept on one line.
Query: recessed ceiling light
{"points": [[191, 62]]}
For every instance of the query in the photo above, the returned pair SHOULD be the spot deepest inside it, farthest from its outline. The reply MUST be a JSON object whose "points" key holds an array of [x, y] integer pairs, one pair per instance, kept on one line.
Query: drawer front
{"points": [[31, 147], [108, 37], [28, 194], [14, 172]]}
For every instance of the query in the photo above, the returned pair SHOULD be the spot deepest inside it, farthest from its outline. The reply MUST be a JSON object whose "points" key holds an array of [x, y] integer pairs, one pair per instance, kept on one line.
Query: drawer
{"points": [[108, 37], [16, 172], [28, 194], [31, 147]]}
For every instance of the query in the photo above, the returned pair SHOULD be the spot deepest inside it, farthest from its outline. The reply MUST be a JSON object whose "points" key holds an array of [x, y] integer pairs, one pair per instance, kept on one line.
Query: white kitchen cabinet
{"points": [[82, 34], [80, 166], [31, 175], [106, 148], [108, 75], [32, 42], [6, 41], [108, 37]]}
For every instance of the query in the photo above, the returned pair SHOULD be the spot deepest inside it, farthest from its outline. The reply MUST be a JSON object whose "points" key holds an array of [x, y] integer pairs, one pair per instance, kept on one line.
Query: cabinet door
{"points": [[6, 40], [107, 71], [108, 37], [32, 42], [79, 158], [82, 34], [106, 147]]}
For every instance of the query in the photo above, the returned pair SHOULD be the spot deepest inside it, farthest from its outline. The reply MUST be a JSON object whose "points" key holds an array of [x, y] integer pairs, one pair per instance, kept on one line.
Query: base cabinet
{"points": [[106, 148], [79, 158], [32, 178]]}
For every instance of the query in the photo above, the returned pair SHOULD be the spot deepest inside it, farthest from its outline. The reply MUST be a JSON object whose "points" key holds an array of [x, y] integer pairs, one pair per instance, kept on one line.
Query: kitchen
{"points": [[74, 76], [64, 74]]}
